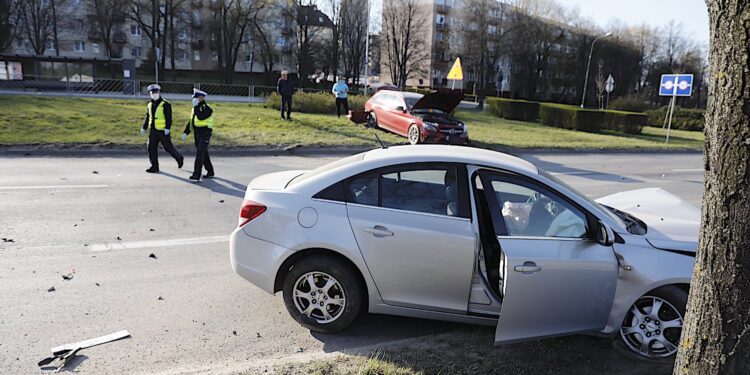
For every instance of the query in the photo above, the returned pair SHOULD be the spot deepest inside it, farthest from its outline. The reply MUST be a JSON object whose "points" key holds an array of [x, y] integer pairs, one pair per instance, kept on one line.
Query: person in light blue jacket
{"points": [[340, 89]]}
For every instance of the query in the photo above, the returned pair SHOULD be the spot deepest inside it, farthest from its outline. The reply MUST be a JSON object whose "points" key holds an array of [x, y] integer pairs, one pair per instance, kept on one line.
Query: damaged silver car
{"points": [[469, 235]]}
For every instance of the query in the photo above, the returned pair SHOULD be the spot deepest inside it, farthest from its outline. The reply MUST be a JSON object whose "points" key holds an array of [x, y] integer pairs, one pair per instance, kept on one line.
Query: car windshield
{"points": [[326, 168], [411, 100], [612, 215]]}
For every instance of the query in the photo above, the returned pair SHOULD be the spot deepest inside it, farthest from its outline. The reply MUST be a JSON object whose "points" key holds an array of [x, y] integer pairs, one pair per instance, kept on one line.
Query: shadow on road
{"points": [[216, 184], [372, 329]]}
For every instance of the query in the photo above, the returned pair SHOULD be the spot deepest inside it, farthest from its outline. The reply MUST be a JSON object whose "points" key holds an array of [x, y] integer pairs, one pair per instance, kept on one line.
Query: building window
{"points": [[197, 55], [135, 52], [135, 30], [440, 19], [95, 47], [50, 44], [80, 46], [214, 56], [440, 37], [182, 54]]}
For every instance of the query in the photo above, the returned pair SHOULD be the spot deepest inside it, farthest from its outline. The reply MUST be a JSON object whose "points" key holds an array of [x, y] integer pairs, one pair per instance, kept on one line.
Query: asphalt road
{"points": [[99, 218]]}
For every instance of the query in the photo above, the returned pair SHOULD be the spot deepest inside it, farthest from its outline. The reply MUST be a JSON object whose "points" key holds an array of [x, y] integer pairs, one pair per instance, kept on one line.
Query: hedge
{"points": [[513, 109], [624, 122], [570, 117], [683, 118], [316, 102]]}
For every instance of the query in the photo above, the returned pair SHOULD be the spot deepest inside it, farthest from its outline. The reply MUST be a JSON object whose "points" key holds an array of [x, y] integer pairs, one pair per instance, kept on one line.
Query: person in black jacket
{"points": [[159, 118], [285, 90], [202, 122]]}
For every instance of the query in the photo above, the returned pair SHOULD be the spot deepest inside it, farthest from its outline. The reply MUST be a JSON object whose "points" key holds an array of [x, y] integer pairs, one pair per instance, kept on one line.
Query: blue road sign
{"points": [[676, 85]]}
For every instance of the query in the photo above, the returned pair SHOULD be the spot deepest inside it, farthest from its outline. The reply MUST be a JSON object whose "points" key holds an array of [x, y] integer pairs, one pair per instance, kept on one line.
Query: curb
{"points": [[292, 150]]}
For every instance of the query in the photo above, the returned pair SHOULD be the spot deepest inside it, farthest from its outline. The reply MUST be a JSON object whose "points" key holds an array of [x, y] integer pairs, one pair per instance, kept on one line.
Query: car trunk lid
{"points": [[274, 181]]}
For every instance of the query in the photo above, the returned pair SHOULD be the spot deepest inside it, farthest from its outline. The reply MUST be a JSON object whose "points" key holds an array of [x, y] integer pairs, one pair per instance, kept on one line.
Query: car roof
{"points": [[448, 153]]}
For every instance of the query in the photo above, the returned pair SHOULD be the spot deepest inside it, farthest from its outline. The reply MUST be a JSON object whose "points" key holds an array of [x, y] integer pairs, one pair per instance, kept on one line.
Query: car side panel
{"points": [[280, 225], [650, 269]]}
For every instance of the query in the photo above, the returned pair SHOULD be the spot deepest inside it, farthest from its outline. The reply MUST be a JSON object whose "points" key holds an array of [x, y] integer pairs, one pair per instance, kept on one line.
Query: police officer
{"points": [[202, 121], [159, 118]]}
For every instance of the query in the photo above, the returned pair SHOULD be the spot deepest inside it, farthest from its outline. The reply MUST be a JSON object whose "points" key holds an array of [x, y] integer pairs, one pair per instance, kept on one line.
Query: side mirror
{"points": [[604, 235], [401, 108]]}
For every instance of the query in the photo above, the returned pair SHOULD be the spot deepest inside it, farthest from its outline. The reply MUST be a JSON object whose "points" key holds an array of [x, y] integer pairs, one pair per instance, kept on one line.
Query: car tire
{"points": [[413, 134], [661, 342], [346, 288], [372, 121]]}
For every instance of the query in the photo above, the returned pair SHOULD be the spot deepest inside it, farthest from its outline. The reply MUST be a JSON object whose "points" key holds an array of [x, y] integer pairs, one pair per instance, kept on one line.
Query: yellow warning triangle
{"points": [[456, 72]]}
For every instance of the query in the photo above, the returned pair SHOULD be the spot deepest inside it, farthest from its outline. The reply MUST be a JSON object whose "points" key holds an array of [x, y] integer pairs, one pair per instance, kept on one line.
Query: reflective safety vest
{"points": [[202, 123], [159, 121]]}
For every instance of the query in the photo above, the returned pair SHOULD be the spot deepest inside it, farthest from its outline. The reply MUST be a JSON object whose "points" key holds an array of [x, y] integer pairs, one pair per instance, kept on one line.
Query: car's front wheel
{"points": [[413, 134], [372, 121], [323, 294], [653, 325]]}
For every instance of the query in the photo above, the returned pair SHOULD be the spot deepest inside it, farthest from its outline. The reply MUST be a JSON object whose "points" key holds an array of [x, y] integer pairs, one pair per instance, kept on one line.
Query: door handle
{"points": [[527, 268], [379, 231]]}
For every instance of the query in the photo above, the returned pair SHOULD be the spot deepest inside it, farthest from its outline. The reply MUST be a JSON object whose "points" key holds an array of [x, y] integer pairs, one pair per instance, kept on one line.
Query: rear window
{"points": [[325, 168]]}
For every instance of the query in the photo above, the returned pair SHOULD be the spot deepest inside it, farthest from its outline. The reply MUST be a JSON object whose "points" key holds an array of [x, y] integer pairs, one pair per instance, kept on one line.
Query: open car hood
{"points": [[444, 101], [672, 222]]}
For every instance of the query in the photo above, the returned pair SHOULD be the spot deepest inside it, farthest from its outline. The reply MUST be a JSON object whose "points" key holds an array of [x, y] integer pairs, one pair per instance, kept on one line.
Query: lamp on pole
{"points": [[588, 66]]}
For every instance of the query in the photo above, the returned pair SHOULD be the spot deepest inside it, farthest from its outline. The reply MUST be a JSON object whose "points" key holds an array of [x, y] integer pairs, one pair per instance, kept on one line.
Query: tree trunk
{"points": [[716, 337]]}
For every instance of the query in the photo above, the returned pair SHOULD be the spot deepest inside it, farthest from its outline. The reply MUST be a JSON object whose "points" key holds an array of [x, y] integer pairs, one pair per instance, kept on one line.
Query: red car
{"points": [[420, 118]]}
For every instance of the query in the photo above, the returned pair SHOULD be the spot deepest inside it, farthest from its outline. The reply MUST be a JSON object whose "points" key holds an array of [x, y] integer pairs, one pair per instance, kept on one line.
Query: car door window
{"points": [[428, 190], [425, 188], [528, 210], [363, 189]]}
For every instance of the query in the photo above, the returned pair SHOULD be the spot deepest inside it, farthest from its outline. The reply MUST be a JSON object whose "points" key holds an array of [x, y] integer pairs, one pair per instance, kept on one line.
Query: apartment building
{"points": [[195, 47]]}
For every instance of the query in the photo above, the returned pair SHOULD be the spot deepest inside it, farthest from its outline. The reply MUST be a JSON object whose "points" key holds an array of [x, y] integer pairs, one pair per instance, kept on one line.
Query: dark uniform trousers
{"points": [[154, 138], [202, 137]]}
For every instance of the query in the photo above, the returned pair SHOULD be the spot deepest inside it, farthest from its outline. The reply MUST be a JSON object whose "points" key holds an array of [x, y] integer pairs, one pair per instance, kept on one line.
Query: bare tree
{"points": [[262, 36], [354, 36], [149, 17], [231, 28], [106, 17], [37, 20], [482, 30], [404, 39], [9, 21], [306, 30], [716, 337], [176, 23]]}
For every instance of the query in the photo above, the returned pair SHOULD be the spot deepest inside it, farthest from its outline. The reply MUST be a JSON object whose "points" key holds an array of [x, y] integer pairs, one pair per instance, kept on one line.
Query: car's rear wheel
{"points": [[653, 325], [372, 121], [323, 293], [413, 134]]}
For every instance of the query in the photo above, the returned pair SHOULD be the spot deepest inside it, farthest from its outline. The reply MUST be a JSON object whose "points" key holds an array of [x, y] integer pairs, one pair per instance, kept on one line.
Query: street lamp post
{"points": [[588, 66]]}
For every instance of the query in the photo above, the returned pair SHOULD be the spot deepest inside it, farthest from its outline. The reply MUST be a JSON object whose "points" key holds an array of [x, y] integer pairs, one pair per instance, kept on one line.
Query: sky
{"points": [[691, 13]]}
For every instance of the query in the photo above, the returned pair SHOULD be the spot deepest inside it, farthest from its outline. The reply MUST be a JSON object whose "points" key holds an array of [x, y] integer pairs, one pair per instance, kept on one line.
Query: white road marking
{"points": [[119, 245], [688, 170], [52, 187]]}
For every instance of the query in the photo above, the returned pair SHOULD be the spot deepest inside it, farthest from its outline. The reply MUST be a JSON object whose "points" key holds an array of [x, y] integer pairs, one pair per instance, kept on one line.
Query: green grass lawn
{"points": [[35, 120]]}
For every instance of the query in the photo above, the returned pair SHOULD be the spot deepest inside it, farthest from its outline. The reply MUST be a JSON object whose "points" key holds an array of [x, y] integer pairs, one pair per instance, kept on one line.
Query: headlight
{"points": [[431, 126]]}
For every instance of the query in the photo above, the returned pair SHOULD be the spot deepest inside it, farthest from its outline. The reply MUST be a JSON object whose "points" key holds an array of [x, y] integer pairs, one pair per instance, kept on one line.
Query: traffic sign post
{"points": [[674, 85], [456, 73], [609, 86]]}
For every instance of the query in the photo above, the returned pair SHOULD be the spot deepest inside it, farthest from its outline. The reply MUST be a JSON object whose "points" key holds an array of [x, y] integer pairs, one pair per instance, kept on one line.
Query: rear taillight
{"points": [[249, 211]]}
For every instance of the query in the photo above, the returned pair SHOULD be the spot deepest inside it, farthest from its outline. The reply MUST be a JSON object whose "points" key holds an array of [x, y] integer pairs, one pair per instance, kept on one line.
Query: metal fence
{"points": [[85, 86]]}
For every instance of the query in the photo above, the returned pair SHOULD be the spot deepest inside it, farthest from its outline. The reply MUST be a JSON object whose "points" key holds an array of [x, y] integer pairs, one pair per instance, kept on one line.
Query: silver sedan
{"points": [[469, 235]]}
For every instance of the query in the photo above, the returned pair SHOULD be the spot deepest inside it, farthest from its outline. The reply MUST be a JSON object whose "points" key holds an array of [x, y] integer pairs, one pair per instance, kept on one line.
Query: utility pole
{"points": [[367, 47]]}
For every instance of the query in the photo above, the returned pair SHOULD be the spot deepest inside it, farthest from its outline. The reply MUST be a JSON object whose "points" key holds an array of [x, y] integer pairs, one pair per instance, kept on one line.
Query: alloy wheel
{"points": [[413, 134], [319, 296], [652, 327]]}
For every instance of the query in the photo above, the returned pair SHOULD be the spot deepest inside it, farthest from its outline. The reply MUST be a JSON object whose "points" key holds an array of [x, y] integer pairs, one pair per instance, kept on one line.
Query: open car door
{"points": [[555, 279]]}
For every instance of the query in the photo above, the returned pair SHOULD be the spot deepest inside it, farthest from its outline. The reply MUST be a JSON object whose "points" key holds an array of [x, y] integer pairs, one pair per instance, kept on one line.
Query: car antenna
{"points": [[378, 138]]}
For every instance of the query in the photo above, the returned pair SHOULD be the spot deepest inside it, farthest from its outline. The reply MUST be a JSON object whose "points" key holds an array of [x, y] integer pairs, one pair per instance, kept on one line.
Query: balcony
{"points": [[198, 44], [442, 8], [197, 3], [120, 37], [95, 35], [442, 26]]}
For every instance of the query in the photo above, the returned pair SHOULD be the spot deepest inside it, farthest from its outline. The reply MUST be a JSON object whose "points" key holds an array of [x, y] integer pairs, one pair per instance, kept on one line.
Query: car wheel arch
{"points": [[289, 262]]}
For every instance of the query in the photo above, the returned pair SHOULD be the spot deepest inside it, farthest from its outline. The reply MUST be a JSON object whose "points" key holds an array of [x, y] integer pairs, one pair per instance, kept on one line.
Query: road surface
{"points": [[99, 218]]}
